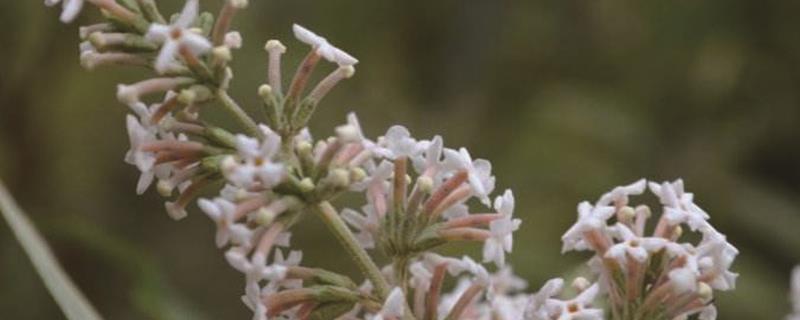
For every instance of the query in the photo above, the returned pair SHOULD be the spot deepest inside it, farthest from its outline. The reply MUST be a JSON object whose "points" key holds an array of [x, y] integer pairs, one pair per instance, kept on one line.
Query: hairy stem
{"points": [[244, 119], [335, 223]]}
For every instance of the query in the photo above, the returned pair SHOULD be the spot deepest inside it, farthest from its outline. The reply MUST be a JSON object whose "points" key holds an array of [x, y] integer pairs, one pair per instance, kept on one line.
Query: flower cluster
{"points": [[658, 275], [273, 175], [417, 193]]}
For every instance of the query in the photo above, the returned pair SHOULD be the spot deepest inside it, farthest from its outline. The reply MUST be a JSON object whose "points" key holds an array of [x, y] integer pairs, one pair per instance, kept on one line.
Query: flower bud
{"points": [[265, 91], [306, 185], [222, 53], [425, 184], [357, 174], [264, 216]]}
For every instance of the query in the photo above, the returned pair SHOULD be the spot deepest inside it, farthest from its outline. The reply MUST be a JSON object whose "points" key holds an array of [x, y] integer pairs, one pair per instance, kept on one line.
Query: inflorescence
{"points": [[417, 193]]}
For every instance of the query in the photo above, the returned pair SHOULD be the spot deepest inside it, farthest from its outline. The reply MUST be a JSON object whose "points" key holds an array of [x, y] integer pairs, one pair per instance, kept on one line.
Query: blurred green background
{"points": [[567, 98]]}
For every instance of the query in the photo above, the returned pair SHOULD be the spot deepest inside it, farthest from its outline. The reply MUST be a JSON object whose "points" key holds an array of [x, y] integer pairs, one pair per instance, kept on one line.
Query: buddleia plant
{"points": [[271, 174]]}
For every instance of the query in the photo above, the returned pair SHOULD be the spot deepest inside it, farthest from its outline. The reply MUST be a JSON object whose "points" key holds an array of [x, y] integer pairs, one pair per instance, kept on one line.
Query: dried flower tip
{"points": [[239, 4], [275, 46], [222, 53], [175, 210], [347, 133], [85, 31]]}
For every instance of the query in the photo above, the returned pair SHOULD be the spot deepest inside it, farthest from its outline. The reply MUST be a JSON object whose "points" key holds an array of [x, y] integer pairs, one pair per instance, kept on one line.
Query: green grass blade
{"points": [[71, 301]]}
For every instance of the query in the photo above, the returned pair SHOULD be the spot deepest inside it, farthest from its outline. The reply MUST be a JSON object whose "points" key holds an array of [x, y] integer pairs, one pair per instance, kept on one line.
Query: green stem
{"points": [[244, 119], [335, 223]]}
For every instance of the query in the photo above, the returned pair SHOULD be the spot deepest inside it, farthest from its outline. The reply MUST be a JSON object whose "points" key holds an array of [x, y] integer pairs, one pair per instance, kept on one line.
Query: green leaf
{"points": [[71, 301]]}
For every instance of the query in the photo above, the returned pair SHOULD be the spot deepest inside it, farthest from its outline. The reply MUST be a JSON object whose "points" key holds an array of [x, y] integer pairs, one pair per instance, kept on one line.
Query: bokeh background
{"points": [[568, 98]]}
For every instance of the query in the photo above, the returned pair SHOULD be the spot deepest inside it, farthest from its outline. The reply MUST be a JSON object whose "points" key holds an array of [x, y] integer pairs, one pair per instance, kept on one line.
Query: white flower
{"points": [[538, 306], [504, 281], [394, 307], [420, 276], [466, 264], [398, 143], [589, 218], [638, 248], [352, 121], [679, 205], [432, 162], [683, 279], [619, 195], [255, 165], [716, 258], [480, 172], [579, 308], [222, 212], [508, 308], [323, 47], [176, 36], [70, 8], [255, 269], [139, 136], [708, 312], [501, 239], [449, 300], [253, 299]]}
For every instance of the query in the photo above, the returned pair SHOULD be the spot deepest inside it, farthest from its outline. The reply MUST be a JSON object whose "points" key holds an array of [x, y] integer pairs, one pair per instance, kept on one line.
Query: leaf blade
{"points": [[69, 298]]}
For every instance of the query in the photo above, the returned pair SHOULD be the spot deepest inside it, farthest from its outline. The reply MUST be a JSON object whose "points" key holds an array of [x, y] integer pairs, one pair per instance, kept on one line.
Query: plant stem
{"points": [[244, 119], [348, 240]]}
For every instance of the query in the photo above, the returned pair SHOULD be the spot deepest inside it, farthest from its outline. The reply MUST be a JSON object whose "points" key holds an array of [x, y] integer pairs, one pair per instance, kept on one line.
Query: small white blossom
{"points": [[139, 136], [679, 206], [178, 35], [222, 212], [254, 300], [639, 248], [589, 218], [398, 143], [620, 195], [480, 172], [323, 47], [394, 307], [501, 239], [256, 165]]}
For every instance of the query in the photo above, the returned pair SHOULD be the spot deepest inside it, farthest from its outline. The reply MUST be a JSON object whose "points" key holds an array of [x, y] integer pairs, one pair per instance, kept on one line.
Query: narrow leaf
{"points": [[71, 301]]}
